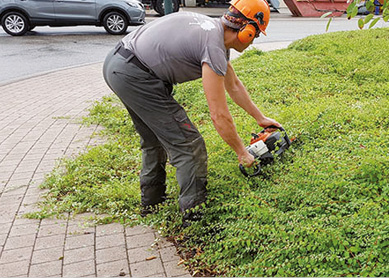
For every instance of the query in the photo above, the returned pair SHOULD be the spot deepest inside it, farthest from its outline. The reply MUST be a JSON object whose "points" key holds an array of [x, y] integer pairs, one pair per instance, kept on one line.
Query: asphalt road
{"points": [[47, 49]]}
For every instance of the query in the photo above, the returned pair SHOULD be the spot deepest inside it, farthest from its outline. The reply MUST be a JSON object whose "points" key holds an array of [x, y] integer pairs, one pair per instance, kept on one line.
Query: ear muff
{"points": [[254, 10], [247, 33]]}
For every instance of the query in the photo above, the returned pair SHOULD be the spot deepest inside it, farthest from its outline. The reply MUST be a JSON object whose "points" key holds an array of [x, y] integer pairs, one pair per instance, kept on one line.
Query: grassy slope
{"points": [[321, 211]]}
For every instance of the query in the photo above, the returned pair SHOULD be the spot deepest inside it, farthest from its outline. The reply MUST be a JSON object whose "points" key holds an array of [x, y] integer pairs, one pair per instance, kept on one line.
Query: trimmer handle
{"points": [[257, 170], [281, 129], [257, 167]]}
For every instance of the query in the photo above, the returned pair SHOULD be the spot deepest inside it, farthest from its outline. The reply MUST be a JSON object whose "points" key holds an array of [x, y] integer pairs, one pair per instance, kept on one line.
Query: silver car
{"points": [[20, 16]]}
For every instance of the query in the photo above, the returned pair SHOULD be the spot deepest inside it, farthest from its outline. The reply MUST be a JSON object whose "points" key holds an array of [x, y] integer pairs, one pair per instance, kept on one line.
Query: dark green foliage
{"points": [[322, 210]]}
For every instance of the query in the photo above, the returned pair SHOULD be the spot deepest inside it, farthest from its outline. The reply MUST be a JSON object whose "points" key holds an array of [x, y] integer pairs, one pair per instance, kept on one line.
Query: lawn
{"points": [[321, 210]]}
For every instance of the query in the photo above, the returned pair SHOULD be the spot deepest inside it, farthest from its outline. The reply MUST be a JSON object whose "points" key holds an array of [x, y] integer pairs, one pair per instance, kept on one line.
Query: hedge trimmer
{"points": [[264, 146]]}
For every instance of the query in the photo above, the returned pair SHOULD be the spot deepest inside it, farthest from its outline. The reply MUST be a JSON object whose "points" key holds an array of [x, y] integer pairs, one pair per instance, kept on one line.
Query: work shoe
{"points": [[146, 210], [190, 217]]}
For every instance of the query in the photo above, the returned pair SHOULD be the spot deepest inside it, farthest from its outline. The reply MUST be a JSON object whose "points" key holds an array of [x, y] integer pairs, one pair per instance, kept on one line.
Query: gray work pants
{"points": [[165, 130]]}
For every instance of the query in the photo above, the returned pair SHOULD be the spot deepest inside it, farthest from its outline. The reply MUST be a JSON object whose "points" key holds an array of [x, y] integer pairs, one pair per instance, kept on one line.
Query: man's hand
{"points": [[265, 122], [246, 159]]}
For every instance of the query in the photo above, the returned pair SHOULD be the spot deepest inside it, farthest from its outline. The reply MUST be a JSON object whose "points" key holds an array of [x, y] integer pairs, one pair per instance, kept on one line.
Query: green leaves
{"points": [[385, 11], [361, 23], [352, 11], [374, 22], [370, 6], [329, 21], [328, 24], [368, 18]]}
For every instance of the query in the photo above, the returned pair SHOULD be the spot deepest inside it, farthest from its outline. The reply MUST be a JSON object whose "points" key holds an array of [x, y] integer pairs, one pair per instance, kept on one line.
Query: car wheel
{"points": [[160, 6], [115, 23], [15, 24]]}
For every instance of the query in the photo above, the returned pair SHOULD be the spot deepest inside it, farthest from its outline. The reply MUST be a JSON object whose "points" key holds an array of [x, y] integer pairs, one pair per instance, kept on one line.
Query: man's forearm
{"points": [[225, 126], [221, 117]]}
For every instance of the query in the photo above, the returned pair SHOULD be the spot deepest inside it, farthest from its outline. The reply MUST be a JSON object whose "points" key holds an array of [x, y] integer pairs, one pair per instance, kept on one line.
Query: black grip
{"points": [[273, 126], [257, 170], [288, 142]]}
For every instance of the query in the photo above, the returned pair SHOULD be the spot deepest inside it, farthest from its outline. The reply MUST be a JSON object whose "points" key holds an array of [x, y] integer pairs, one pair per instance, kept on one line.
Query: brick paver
{"points": [[39, 123]]}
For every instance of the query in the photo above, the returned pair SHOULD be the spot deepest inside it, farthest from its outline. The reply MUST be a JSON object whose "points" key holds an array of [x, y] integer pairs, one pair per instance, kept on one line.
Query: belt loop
{"points": [[117, 47], [130, 57]]}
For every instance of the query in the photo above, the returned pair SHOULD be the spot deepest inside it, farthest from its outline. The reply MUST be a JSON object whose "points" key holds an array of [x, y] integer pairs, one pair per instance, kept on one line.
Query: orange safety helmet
{"points": [[258, 14]]}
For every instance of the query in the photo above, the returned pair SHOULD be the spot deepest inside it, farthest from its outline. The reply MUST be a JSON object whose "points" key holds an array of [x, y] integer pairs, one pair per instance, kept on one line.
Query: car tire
{"points": [[15, 24], [160, 6], [115, 23]]}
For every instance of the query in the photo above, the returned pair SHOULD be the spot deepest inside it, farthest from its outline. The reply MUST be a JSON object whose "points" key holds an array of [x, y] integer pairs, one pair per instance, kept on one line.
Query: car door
{"points": [[75, 11], [38, 10]]}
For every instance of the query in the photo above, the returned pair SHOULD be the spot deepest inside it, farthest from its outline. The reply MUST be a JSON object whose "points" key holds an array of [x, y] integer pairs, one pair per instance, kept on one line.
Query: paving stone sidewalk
{"points": [[39, 123]]}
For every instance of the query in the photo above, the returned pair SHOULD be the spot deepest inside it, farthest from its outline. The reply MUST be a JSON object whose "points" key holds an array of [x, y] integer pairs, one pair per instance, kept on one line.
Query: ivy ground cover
{"points": [[321, 210]]}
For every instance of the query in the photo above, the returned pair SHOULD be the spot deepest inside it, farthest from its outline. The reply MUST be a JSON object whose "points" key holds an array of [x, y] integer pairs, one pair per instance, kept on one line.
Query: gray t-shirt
{"points": [[175, 46]]}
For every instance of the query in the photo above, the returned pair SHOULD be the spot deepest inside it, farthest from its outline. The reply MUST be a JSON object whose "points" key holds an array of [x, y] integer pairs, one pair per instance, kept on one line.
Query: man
{"points": [[177, 48]]}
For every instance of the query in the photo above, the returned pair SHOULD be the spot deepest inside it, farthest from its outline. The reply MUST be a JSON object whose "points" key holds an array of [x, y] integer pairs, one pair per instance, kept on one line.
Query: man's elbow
{"points": [[234, 86]]}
